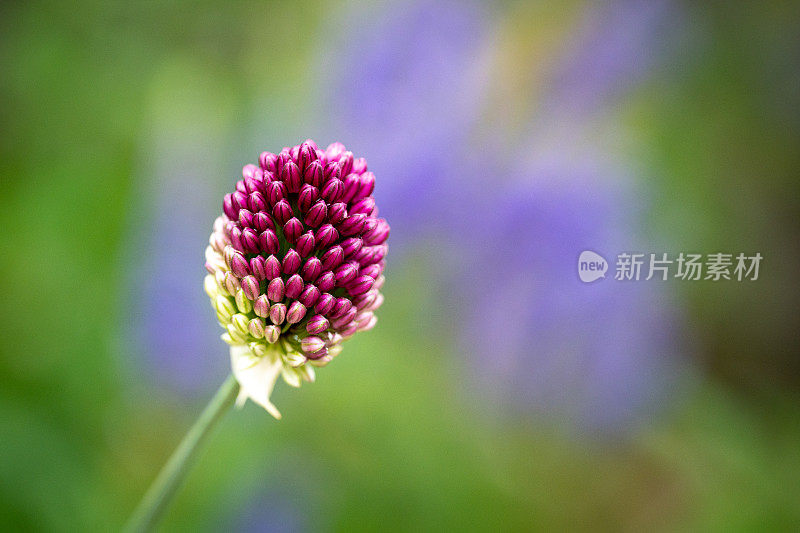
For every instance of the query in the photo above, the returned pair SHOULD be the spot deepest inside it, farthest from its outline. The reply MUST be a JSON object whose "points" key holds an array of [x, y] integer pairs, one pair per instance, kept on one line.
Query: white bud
{"points": [[242, 302], [210, 286], [294, 359], [307, 372], [291, 376], [224, 306]]}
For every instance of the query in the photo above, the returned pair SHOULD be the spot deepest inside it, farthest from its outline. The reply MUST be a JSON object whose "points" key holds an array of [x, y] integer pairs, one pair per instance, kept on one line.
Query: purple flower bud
{"points": [[325, 303], [251, 288], [276, 191], [227, 253], [318, 354], [345, 318], [236, 238], [332, 171], [228, 208], [351, 182], [290, 175], [332, 258], [352, 224], [248, 170], [261, 306], [316, 214], [359, 165], [272, 268], [304, 200], [239, 200], [313, 174], [256, 202], [262, 222], [277, 314], [351, 245], [271, 334], [267, 161], [291, 262], [366, 321], [378, 234], [363, 206], [305, 244], [317, 324], [250, 240], [292, 230], [325, 236], [366, 186], [360, 285], [294, 286], [282, 212], [232, 283], [332, 190], [245, 218], [305, 155], [337, 212], [309, 296], [268, 242], [342, 306], [283, 157], [335, 151], [312, 269], [295, 313], [308, 196], [346, 161], [349, 329], [312, 343], [275, 290], [346, 273], [326, 281], [239, 265], [372, 271], [363, 301]]}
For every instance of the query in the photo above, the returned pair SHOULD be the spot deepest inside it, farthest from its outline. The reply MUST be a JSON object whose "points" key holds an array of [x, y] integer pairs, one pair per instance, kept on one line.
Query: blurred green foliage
{"points": [[389, 438]]}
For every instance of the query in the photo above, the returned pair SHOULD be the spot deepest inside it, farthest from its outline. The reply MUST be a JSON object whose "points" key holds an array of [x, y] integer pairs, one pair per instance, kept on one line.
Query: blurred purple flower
{"points": [[170, 325], [408, 95], [617, 45], [597, 356]]}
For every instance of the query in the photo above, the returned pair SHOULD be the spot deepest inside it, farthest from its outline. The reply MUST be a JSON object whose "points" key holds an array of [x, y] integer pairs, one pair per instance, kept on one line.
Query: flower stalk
{"points": [[166, 484]]}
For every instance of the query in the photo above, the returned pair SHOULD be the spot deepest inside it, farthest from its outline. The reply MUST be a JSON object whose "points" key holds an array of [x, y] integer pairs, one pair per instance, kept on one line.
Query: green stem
{"points": [[160, 493]]}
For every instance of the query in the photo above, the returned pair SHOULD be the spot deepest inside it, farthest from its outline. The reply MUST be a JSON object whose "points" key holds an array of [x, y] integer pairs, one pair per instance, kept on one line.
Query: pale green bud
{"points": [[242, 302], [224, 306], [240, 322], [210, 286], [256, 328], [258, 348], [236, 335], [227, 338], [294, 359], [271, 334], [219, 277]]}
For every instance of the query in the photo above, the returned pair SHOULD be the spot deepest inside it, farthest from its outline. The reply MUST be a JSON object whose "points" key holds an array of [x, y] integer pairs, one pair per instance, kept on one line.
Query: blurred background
{"points": [[497, 392]]}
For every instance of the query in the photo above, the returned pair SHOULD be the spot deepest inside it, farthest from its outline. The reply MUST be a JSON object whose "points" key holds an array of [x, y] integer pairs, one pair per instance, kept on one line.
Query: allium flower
{"points": [[295, 264]]}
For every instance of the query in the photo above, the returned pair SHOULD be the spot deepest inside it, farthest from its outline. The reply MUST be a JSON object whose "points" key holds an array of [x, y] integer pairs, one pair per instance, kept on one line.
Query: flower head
{"points": [[295, 264]]}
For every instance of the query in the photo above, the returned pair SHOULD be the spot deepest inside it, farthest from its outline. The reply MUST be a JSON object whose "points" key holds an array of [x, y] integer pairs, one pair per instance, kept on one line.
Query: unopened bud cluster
{"points": [[296, 261]]}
